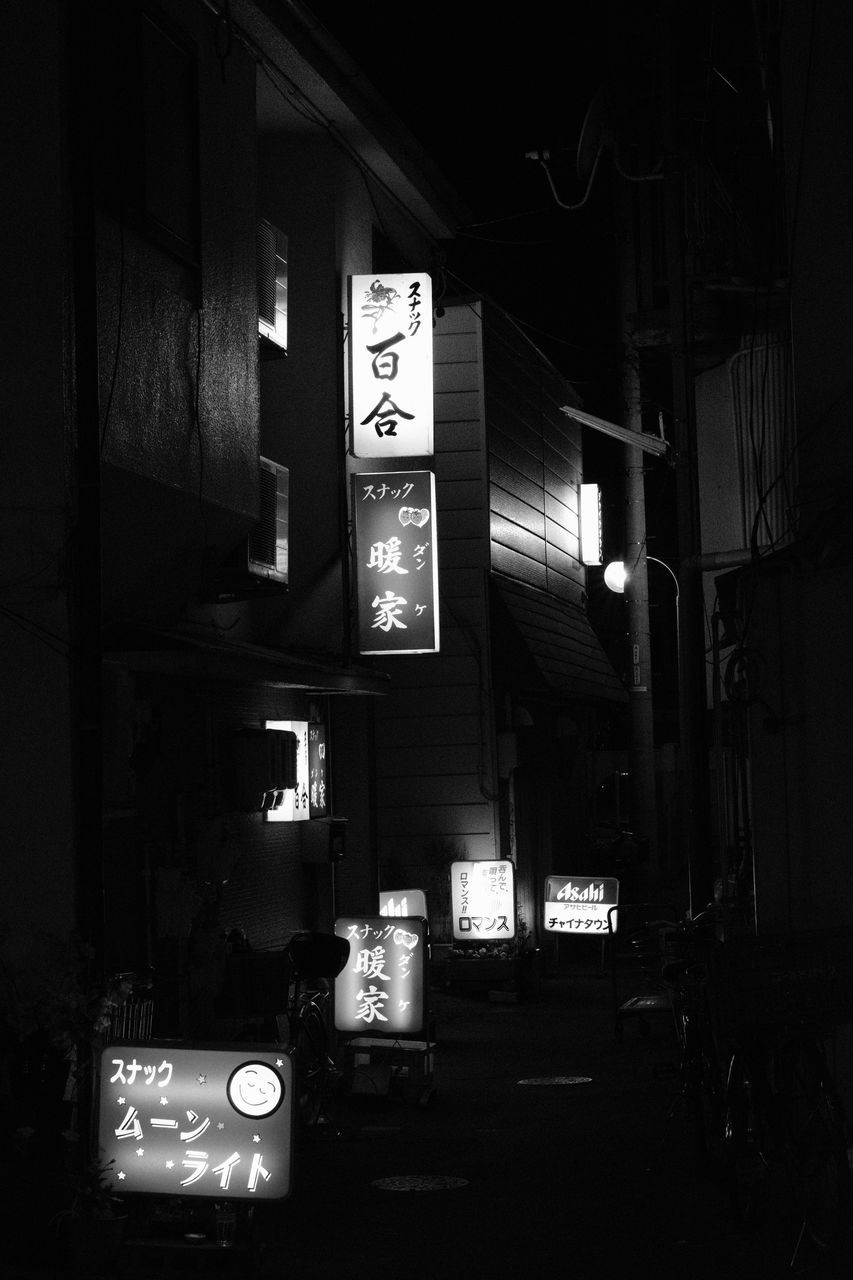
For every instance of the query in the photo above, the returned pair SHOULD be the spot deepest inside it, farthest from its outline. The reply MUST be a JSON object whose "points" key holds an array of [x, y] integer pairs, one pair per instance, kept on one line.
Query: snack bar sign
{"points": [[483, 900], [391, 381], [395, 560], [579, 904], [181, 1120], [382, 987]]}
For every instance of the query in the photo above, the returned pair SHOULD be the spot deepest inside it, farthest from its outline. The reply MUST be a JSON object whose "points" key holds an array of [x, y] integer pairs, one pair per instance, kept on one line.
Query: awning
{"points": [[563, 654], [215, 658]]}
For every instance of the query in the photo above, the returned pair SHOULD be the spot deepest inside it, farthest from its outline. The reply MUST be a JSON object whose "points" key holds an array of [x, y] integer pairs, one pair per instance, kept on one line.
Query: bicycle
{"points": [[755, 1075], [315, 959]]}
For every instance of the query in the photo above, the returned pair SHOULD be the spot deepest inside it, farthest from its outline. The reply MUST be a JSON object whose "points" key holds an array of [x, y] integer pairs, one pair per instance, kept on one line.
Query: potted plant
{"points": [[92, 1226]]}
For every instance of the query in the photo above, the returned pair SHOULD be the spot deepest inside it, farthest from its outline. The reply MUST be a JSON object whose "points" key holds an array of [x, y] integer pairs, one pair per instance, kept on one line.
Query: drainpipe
{"points": [[85, 559]]}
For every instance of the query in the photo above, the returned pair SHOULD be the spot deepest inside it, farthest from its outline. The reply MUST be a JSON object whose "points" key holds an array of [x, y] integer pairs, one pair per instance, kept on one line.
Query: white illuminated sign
{"points": [[579, 904], [383, 985], [294, 805], [590, 523], [196, 1120], [483, 900], [405, 902], [391, 379]]}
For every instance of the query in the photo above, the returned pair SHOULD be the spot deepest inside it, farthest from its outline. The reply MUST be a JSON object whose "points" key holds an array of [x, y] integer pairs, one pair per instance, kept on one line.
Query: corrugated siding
{"points": [[534, 466], [563, 645], [434, 772]]}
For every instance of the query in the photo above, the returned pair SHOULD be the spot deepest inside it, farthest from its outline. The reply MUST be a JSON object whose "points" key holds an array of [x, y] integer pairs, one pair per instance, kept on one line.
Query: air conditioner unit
{"points": [[271, 267], [262, 766], [258, 565]]}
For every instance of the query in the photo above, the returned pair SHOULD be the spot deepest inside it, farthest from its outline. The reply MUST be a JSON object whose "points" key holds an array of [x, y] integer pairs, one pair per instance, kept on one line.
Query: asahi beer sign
{"points": [[196, 1120], [580, 904], [395, 561], [391, 380]]}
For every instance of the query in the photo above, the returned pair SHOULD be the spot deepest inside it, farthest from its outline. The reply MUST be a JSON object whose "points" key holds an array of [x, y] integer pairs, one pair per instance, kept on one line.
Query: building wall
{"points": [[435, 789]]}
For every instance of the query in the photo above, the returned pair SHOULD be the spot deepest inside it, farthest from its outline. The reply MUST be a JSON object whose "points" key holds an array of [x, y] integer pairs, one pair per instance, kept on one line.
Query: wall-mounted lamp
{"points": [[589, 507]]}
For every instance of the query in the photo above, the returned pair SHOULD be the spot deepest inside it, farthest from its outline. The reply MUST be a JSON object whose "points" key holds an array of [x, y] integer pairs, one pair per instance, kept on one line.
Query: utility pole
{"points": [[643, 785]]}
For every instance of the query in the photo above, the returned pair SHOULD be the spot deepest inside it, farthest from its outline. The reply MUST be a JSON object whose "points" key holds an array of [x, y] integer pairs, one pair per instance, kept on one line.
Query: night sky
{"points": [[480, 96]]}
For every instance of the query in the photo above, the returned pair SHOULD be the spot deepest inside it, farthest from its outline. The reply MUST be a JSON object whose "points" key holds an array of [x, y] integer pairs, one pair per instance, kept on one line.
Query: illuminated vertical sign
{"points": [[482, 896], [391, 380], [318, 777], [396, 565], [293, 804], [579, 904], [382, 988], [196, 1120]]}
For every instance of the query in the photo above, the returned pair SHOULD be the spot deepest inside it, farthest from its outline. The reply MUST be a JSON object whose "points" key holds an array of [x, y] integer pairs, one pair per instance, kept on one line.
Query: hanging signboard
{"points": [[391, 380], [292, 803], [318, 776], [383, 985], [395, 562], [482, 898], [405, 902], [196, 1120], [579, 904]]}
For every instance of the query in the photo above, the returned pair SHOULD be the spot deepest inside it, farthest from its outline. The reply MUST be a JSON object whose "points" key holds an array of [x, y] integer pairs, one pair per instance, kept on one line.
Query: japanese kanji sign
{"points": [[382, 988], [405, 902], [318, 771], [390, 345], [579, 904], [199, 1120], [482, 896], [395, 561]]}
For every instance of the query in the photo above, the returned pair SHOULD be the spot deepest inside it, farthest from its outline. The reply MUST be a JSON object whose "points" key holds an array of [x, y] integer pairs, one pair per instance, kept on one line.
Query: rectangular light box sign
{"points": [[396, 567], [382, 988], [405, 902], [318, 771], [579, 904], [197, 1120], [295, 803], [391, 378], [482, 896]]}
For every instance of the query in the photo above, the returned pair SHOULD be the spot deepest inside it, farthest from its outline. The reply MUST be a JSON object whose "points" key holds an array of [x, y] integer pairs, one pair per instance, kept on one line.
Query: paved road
{"points": [[546, 1148], [551, 1148]]}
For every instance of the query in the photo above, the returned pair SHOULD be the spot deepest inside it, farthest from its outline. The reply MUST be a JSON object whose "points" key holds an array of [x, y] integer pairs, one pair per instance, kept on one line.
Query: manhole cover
{"points": [[557, 1080], [419, 1182]]}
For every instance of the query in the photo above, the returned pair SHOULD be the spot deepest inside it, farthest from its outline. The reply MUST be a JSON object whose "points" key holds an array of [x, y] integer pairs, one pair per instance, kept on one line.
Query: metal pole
{"points": [[643, 792]]}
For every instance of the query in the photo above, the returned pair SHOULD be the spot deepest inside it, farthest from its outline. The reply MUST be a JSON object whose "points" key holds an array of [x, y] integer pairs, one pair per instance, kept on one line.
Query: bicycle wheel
{"points": [[745, 1139], [311, 1062], [815, 1144]]}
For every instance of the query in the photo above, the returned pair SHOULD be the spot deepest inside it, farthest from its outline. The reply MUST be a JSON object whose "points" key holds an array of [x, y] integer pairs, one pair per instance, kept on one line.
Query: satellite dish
{"points": [[606, 117], [595, 134]]}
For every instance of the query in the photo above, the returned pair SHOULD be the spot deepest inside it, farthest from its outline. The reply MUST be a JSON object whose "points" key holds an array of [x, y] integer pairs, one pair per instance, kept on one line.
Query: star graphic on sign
{"points": [[120, 1101], [121, 1175], [279, 1062], [170, 1164], [202, 1079], [164, 1102], [140, 1151], [256, 1137], [221, 1125]]}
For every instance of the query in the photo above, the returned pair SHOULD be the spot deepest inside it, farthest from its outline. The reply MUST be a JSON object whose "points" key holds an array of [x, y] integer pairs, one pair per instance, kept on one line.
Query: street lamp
{"points": [[621, 579], [616, 575]]}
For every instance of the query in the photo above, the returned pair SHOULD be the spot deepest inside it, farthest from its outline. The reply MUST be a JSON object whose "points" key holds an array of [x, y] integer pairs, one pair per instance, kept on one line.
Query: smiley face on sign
{"points": [[255, 1089]]}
